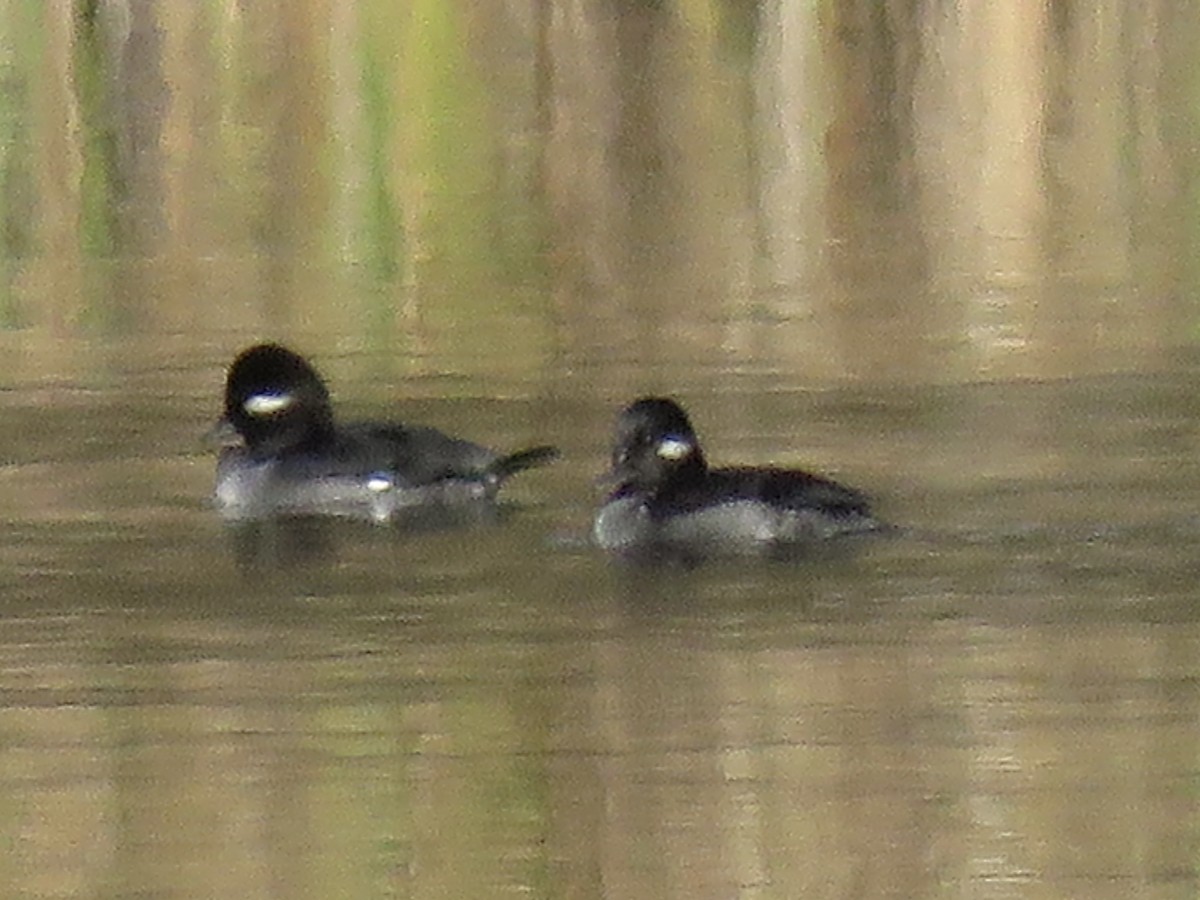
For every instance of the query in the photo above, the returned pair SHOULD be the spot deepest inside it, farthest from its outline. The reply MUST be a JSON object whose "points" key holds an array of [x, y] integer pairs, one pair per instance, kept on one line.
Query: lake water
{"points": [[942, 253]]}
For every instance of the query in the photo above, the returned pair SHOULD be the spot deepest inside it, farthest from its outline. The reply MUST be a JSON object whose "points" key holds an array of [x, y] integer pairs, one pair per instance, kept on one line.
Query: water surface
{"points": [[933, 252]]}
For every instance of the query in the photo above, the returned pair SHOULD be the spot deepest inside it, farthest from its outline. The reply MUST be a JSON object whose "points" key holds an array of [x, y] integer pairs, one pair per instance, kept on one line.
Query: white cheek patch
{"points": [[267, 404], [379, 482], [673, 448]]}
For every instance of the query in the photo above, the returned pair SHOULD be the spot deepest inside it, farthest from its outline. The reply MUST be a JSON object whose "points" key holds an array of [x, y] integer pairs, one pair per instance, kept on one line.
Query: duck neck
{"points": [[686, 472]]}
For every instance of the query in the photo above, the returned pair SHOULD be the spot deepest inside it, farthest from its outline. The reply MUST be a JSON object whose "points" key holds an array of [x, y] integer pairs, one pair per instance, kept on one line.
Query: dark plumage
{"points": [[291, 456], [667, 494]]}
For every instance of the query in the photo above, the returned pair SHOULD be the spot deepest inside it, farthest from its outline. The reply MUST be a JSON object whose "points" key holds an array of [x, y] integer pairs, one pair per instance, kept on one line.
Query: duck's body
{"points": [[292, 457], [668, 495]]}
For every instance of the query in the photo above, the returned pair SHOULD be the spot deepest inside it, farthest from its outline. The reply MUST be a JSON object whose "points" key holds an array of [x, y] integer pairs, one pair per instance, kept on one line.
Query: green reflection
{"points": [[469, 237], [18, 59], [385, 233], [99, 186]]}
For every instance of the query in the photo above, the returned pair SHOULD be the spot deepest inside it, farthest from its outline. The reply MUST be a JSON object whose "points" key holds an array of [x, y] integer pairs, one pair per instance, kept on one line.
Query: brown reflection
{"points": [[1000, 191], [682, 733], [730, 201], [286, 543], [877, 282]]}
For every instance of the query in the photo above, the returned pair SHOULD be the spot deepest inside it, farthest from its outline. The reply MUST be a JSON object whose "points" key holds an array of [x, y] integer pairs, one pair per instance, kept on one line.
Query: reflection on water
{"points": [[998, 700], [944, 254], [748, 184]]}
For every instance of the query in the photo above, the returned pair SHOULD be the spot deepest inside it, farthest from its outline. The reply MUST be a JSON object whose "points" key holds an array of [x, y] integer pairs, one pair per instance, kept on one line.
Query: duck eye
{"points": [[673, 448], [267, 404]]}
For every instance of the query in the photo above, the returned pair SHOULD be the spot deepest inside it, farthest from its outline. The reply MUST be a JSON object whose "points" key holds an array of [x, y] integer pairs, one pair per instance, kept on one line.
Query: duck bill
{"points": [[607, 479], [614, 477], [222, 435]]}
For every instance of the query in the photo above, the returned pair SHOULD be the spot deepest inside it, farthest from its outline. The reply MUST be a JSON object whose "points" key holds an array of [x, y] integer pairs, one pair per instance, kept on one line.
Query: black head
{"points": [[275, 400], [655, 444]]}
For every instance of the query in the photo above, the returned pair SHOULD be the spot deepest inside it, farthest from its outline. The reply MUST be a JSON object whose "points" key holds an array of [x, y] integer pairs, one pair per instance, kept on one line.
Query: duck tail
{"points": [[529, 458]]}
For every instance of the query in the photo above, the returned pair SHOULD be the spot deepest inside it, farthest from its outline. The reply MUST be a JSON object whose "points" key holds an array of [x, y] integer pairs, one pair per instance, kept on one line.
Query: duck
{"points": [[284, 452], [666, 494]]}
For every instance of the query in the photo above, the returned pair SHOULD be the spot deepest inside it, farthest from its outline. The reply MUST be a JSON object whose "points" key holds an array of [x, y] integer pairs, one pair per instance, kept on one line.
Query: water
{"points": [[929, 252], [999, 701]]}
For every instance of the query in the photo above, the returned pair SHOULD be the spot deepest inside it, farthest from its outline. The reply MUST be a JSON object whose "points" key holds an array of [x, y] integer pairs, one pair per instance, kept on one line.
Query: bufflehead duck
{"points": [[284, 453], [667, 496]]}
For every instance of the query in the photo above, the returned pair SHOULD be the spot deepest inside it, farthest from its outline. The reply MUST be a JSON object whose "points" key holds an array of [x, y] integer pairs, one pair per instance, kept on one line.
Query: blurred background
{"points": [[944, 251]]}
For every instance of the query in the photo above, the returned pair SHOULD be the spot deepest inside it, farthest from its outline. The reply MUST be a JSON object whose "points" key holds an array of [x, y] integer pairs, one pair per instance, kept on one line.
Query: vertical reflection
{"points": [[787, 141], [580, 185], [979, 122], [18, 194], [142, 102], [1087, 139], [97, 41], [295, 198], [369, 216], [781, 767], [646, 177], [1031, 158], [55, 274], [122, 101], [879, 283]]}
